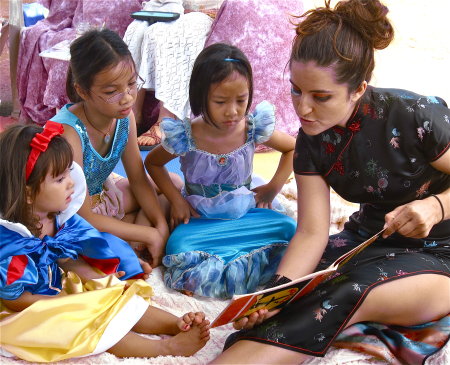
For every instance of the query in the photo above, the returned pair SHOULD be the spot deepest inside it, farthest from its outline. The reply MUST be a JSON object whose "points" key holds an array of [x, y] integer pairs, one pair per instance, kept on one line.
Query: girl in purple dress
{"points": [[223, 242]]}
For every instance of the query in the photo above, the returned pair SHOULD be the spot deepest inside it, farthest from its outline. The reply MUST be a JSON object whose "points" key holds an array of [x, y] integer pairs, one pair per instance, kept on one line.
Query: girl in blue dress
{"points": [[223, 242], [48, 253], [103, 84]]}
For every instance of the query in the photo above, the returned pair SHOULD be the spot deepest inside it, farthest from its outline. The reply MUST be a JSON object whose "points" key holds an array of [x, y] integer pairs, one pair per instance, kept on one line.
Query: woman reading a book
{"points": [[387, 149]]}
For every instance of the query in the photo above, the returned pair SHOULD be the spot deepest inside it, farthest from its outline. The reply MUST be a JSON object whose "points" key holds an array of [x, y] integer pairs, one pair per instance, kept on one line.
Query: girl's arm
{"points": [[285, 144], [126, 231], [25, 300], [181, 210], [416, 218], [85, 271], [308, 244], [78, 266], [140, 183]]}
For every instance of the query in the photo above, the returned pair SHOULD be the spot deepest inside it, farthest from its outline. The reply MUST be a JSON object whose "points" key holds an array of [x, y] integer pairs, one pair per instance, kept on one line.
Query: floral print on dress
{"points": [[421, 131], [423, 190], [273, 333], [325, 307], [374, 170], [395, 141], [338, 242]]}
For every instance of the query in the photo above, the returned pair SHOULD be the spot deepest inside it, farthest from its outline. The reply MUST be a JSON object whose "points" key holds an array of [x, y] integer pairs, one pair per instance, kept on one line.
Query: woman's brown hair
{"points": [[344, 37], [14, 151]]}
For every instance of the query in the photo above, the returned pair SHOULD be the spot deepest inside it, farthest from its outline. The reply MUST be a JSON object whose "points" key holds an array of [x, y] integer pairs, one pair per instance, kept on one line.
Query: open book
{"points": [[281, 295]]}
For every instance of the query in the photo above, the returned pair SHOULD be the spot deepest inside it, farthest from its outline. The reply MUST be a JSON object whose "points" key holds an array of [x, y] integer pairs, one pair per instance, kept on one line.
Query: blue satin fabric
{"points": [[220, 258], [42, 274]]}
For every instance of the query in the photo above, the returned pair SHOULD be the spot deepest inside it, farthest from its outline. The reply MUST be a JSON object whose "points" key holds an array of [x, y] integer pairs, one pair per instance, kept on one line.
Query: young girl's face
{"points": [[227, 101], [319, 101], [114, 89], [54, 195]]}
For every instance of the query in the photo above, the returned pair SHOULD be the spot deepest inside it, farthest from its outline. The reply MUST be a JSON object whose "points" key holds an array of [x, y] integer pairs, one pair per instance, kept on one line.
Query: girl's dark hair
{"points": [[14, 151], [90, 54], [214, 64], [344, 37]]}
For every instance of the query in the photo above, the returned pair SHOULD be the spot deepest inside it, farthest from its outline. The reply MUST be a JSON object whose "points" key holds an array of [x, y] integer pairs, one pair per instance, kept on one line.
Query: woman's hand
{"points": [[180, 213], [414, 219], [254, 319], [264, 196]]}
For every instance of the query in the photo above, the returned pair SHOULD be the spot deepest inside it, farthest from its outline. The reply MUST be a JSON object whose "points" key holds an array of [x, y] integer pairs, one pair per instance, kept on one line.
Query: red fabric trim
{"points": [[107, 266], [16, 268], [445, 150]]}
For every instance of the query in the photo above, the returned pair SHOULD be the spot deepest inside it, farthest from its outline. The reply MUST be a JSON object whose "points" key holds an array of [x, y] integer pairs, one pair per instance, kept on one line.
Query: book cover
{"points": [[281, 295]]}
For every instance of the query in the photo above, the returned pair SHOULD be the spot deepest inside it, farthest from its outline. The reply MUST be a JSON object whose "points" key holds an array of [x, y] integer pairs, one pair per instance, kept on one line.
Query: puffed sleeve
{"points": [[16, 273], [175, 137], [263, 119]]}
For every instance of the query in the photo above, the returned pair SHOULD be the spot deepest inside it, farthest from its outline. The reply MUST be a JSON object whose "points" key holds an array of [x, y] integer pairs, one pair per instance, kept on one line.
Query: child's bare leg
{"points": [[191, 334], [183, 344]]}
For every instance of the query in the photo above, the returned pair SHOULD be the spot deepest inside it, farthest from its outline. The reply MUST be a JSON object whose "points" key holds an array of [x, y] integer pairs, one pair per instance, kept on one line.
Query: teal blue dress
{"points": [[233, 247]]}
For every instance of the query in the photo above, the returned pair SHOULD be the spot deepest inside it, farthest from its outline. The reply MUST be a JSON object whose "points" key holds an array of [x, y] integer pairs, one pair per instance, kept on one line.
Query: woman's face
{"points": [[319, 101]]}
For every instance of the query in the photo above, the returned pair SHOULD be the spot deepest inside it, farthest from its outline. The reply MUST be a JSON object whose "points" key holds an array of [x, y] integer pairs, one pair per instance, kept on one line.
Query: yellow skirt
{"points": [[83, 320]]}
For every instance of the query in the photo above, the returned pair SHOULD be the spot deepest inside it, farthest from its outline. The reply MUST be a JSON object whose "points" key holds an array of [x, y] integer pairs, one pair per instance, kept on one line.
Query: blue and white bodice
{"points": [[218, 185]]}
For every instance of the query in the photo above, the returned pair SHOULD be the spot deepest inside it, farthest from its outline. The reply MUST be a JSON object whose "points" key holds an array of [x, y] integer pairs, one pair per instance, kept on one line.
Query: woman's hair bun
{"points": [[369, 18]]}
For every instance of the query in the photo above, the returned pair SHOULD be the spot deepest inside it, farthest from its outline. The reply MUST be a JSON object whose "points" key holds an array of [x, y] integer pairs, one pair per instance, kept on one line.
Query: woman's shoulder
{"points": [[262, 122], [176, 135], [394, 97]]}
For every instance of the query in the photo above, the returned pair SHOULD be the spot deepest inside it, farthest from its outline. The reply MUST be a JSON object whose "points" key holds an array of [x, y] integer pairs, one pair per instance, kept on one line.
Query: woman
{"points": [[387, 149]]}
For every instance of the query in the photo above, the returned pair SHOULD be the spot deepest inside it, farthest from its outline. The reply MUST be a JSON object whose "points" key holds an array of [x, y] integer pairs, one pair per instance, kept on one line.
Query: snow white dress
{"points": [[233, 247], [83, 319]]}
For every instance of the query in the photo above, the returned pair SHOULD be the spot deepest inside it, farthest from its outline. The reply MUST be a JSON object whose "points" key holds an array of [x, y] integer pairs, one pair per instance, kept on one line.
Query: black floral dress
{"points": [[381, 159]]}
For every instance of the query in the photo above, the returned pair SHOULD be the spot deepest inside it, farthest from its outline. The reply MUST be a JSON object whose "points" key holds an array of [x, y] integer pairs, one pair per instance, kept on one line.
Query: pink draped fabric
{"points": [[41, 81], [262, 30]]}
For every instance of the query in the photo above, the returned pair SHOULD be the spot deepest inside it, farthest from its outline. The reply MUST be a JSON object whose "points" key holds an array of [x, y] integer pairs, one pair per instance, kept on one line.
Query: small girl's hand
{"points": [[146, 268], [264, 196], [180, 213]]}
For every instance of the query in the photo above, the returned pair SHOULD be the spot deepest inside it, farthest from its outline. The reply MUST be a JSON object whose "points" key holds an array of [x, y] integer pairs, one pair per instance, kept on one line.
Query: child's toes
{"points": [[199, 317]]}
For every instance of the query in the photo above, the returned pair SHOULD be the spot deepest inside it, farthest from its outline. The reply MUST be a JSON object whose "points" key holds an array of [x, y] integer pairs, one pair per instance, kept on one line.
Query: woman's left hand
{"points": [[264, 195], [414, 219]]}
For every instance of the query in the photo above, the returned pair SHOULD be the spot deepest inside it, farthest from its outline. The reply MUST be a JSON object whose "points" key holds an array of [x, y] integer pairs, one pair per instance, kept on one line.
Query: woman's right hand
{"points": [[254, 319], [180, 213]]}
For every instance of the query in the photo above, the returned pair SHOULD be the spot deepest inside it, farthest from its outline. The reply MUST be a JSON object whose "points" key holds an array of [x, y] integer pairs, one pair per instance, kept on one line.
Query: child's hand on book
{"points": [[254, 319]]}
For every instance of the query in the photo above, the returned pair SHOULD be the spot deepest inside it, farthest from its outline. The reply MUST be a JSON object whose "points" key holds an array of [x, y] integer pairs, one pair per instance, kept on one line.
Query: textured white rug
{"points": [[178, 304]]}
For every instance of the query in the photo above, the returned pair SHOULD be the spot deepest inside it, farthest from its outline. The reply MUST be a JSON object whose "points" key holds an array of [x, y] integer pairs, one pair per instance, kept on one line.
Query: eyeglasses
{"points": [[132, 90]]}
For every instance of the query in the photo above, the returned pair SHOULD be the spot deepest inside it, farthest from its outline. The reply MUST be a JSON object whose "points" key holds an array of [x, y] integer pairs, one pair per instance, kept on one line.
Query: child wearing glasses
{"points": [[100, 126]]}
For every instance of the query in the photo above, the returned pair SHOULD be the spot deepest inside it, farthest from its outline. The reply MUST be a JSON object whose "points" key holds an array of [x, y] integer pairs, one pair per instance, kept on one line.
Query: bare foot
{"points": [[187, 292], [189, 342], [185, 323], [151, 137]]}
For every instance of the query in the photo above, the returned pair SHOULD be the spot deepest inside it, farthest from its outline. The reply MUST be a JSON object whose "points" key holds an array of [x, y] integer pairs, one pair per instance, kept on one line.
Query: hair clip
{"points": [[40, 142], [231, 60]]}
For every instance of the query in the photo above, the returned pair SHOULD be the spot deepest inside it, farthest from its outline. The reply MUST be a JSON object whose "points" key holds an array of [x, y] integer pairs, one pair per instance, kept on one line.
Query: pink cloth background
{"points": [[41, 81], [262, 30]]}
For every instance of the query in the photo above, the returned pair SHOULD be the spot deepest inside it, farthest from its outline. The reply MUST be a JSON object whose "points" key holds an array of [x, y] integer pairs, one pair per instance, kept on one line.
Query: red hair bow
{"points": [[40, 142]]}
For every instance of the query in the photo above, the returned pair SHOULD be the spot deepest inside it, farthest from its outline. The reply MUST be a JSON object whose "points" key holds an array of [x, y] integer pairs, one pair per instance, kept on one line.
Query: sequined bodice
{"points": [[96, 167]]}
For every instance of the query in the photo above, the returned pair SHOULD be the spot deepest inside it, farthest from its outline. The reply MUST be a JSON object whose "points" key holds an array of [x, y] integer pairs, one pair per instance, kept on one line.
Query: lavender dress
{"points": [[233, 247]]}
